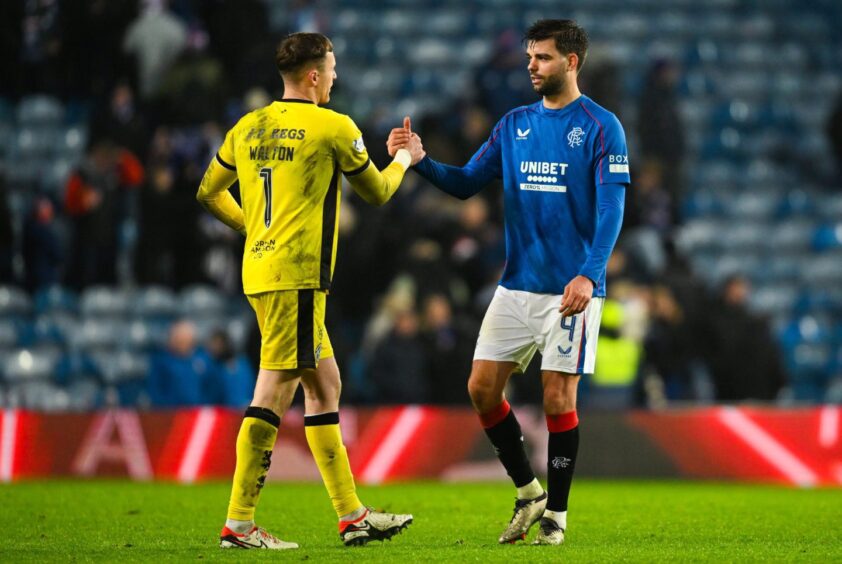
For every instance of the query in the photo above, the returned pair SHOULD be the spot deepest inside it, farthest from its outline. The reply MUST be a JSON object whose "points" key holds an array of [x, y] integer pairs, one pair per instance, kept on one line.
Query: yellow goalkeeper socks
{"points": [[255, 442], [325, 440]]}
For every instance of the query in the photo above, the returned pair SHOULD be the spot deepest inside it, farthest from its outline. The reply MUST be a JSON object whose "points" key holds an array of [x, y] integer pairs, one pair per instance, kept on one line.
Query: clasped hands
{"points": [[404, 138]]}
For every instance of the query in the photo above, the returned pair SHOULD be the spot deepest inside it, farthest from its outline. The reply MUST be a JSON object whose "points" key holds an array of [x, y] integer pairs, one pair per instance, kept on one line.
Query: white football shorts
{"points": [[519, 323]]}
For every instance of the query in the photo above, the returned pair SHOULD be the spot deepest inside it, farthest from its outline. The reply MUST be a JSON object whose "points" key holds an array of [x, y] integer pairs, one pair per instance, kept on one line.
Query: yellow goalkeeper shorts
{"points": [[292, 328]]}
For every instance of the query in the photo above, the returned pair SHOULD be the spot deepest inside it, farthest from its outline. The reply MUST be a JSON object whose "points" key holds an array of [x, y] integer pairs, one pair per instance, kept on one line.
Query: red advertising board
{"points": [[800, 447]]}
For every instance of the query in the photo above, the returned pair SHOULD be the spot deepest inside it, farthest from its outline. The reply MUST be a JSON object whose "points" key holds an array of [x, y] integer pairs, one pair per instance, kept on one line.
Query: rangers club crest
{"points": [[575, 137]]}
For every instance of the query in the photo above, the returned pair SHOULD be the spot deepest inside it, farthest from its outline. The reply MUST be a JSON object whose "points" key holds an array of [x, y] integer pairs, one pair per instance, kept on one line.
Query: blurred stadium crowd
{"points": [[116, 288]]}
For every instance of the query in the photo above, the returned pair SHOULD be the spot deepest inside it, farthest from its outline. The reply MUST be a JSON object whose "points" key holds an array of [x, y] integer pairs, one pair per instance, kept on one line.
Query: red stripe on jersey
{"points": [[601, 139]]}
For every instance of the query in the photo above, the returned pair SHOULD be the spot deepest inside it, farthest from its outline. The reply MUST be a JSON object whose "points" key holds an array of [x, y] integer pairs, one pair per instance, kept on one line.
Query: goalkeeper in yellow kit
{"points": [[288, 158]]}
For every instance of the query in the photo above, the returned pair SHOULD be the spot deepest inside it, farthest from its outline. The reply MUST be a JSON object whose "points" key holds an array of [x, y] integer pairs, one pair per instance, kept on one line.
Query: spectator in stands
{"points": [[477, 248], [95, 201], [649, 205], [834, 132], [399, 366], [7, 236], [157, 247], [232, 373], [181, 375], [449, 350], [94, 60], [42, 47], [604, 82], [121, 122], [502, 82], [42, 250], [192, 91], [660, 127], [617, 367], [155, 38], [244, 66], [744, 360], [669, 347], [11, 31]]}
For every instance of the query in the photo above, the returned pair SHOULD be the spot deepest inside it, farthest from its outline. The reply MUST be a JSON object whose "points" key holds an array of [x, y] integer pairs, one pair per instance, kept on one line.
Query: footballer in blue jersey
{"points": [[564, 165]]}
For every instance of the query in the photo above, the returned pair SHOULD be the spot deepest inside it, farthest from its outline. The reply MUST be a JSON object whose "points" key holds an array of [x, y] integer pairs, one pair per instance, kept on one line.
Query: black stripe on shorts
{"points": [[305, 345]]}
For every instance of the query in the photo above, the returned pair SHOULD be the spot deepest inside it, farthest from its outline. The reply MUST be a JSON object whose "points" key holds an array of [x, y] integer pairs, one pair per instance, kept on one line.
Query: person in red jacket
{"points": [[96, 201]]}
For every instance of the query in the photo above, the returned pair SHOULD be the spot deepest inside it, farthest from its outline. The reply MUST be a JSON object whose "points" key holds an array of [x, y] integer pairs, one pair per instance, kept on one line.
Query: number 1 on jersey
{"points": [[266, 175]]}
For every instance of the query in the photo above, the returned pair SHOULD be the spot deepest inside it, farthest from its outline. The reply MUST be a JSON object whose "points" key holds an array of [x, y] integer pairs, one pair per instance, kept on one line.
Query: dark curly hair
{"points": [[568, 36]]}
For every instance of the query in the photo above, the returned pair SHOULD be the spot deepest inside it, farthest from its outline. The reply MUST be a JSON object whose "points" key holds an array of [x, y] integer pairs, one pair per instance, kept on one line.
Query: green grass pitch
{"points": [[115, 521]]}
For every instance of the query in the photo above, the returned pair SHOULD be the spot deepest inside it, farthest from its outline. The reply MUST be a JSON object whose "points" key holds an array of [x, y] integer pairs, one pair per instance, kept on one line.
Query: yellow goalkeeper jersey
{"points": [[288, 157]]}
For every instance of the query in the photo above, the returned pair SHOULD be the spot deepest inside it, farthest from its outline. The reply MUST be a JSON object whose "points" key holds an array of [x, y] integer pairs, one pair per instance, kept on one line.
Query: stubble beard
{"points": [[552, 85]]}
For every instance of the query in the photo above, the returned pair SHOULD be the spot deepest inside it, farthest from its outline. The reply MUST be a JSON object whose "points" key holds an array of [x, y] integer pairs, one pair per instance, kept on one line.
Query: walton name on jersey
{"points": [[271, 153]]}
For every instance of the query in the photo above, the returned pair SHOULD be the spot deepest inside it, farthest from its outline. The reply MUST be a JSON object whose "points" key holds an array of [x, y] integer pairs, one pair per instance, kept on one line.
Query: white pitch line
{"points": [[777, 455], [197, 446], [393, 445]]}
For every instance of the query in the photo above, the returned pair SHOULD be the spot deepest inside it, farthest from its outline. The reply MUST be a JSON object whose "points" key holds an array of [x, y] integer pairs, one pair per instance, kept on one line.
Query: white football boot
{"points": [[256, 538], [527, 512], [373, 525]]}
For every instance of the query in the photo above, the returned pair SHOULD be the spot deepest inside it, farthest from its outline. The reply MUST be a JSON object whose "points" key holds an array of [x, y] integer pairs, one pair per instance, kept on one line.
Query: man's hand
{"points": [[416, 149], [577, 296], [404, 138]]}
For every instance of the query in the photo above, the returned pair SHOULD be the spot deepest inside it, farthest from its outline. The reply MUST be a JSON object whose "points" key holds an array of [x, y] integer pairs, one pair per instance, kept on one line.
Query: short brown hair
{"points": [[296, 50], [568, 36]]}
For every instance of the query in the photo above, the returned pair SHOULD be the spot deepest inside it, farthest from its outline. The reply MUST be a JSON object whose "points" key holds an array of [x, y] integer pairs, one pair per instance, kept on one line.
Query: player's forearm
{"points": [[377, 187], [461, 182], [214, 196], [224, 207], [611, 202]]}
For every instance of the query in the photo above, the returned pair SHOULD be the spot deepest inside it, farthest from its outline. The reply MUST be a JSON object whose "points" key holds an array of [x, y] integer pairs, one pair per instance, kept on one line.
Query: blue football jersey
{"points": [[552, 163]]}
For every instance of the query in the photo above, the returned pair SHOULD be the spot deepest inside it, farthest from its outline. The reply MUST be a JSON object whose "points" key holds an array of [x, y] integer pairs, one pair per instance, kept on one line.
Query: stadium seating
{"points": [[756, 90]]}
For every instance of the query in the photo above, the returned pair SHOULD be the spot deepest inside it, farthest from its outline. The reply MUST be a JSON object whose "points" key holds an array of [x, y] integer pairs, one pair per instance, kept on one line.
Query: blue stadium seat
{"points": [[40, 109], [104, 301], [825, 270], [9, 334], [30, 365], [147, 335], [797, 202], [122, 366], [56, 299], [774, 299], [830, 206], [827, 301], [808, 329], [54, 328], [155, 302], [14, 302], [101, 334], [38, 395], [202, 301], [702, 204], [754, 206], [828, 236], [792, 236], [35, 142], [745, 237], [84, 395], [76, 366]]}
